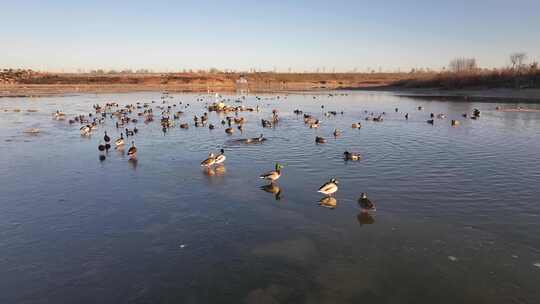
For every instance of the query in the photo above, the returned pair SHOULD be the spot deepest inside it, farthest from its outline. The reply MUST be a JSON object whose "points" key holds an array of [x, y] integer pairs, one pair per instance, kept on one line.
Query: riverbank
{"points": [[33, 84], [477, 95]]}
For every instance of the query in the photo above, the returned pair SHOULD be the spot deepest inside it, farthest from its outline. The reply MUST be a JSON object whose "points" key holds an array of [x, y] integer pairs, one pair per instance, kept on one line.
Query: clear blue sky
{"points": [[303, 35]]}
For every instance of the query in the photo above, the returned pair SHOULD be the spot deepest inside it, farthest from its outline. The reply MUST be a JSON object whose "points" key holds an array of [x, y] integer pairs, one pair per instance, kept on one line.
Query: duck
{"points": [[337, 132], [85, 130], [221, 157], [274, 175], [455, 123], [229, 130], [119, 143], [106, 137], [320, 140], [328, 202], [351, 156], [407, 116], [132, 152], [210, 161], [430, 121], [329, 187], [365, 203], [101, 147], [184, 126], [354, 126], [266, 123]]}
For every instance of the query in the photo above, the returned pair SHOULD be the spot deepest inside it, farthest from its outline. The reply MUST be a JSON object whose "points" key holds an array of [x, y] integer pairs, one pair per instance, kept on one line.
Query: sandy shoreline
{"points": [[466, 95]]}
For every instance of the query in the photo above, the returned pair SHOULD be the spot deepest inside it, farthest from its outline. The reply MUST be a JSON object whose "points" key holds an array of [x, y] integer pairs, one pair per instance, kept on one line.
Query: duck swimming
{"points": [[365, 203], [85, 130], [119, 143], [320, 140], [210, 161], [272, 175], [329, 187], [351, 156], [132, 152], [221, 157]]}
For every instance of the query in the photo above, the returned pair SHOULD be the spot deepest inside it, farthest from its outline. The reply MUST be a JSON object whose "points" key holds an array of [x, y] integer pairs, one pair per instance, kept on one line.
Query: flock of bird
{"points": [[170, 113]]}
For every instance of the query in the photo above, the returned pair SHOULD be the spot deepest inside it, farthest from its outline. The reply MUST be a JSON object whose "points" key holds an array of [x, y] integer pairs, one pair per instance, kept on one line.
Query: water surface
{"points": [[457, 217]]}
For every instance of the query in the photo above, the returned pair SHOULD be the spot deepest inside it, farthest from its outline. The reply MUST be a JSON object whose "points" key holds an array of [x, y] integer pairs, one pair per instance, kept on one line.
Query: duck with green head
{"points": [[272, 175]]}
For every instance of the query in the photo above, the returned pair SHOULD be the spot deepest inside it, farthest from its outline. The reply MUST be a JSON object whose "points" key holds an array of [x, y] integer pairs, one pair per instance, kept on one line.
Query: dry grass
{"points": [[485, 79]]}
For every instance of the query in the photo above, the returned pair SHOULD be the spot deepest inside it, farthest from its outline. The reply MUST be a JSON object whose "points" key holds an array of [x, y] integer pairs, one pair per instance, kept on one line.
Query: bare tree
{"points": [[461, 65], [517, 60]]}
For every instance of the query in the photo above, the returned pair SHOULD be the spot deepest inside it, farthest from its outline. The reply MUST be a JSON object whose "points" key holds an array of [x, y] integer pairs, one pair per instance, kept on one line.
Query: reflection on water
{"points": [[77, 229], [364, 218], [133, 162], [328, 202], [274, 189]]}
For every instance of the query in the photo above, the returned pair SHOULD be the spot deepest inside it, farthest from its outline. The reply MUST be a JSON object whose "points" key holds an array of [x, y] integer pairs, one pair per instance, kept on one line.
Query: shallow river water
{"points": [[457, 220]]}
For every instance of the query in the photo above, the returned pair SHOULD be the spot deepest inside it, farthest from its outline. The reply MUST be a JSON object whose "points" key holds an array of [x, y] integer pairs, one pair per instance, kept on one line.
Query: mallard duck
{"points": [[221, 157], [365, 203], [229, 130], [119, 143], [328, 202], [211, 160], [337, 132], [455, 122], [184, 126], [272, 175], [132, 151], [430, 121], [354, 126], [351, 156], [320, 140], [329, 187]]}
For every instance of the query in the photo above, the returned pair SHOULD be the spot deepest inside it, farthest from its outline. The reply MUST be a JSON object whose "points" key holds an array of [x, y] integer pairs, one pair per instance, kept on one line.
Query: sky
{"points": [[69, 35]]}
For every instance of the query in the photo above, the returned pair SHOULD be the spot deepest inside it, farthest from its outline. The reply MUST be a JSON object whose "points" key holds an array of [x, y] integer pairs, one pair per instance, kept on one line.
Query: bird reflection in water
{"points": [[328, 202], [133, 163], [215, 171], [364, 218], [274, 189]]}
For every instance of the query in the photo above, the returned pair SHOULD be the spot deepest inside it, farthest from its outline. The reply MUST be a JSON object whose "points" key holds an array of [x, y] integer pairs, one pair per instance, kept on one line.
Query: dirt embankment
{"points": [[29, 83]]}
